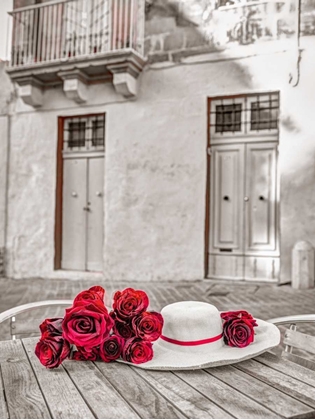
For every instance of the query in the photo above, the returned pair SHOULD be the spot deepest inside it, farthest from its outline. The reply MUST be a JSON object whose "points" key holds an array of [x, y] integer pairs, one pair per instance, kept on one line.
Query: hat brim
{"points": [[267, 336]]}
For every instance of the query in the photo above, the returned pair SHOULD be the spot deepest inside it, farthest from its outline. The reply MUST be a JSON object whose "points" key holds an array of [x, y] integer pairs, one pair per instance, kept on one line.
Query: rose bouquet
{"points": [[89, 332]]}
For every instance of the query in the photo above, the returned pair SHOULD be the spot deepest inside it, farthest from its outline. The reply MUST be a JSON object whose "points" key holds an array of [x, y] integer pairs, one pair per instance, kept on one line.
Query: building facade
{"points": [[158, 140]]}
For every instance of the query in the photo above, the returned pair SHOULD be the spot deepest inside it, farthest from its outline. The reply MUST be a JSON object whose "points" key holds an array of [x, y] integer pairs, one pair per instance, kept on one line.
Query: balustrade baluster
{"points": [[131, 35]]}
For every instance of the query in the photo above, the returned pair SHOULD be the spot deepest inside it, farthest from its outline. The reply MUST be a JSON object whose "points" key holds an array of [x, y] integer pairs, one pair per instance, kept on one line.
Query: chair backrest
{"points": [[294, 339], [29, 325]]}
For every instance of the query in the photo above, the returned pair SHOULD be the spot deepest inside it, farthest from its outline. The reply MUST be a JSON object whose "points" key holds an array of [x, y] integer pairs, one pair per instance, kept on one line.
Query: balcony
{"points": [[76, 43]]}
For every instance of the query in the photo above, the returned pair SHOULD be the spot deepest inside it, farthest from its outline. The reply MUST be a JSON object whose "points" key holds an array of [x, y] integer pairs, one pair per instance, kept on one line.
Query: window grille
{"points": [[244, 115], [76, 134], [264, 114], [84, 133], [228, 118]]}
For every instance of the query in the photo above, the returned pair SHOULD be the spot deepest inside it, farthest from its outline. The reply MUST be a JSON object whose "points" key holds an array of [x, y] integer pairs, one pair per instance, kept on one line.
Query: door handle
{"points": [[98, 194], [74, 194], [246, 198], [86, 209]]}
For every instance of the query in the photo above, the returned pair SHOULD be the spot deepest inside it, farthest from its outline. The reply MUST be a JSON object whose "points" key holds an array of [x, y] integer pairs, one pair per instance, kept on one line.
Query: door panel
{"points": [[95, 215], [262, 268], [260, 210], [243, 212], [73, 215], [226, 267], [227, 190]]}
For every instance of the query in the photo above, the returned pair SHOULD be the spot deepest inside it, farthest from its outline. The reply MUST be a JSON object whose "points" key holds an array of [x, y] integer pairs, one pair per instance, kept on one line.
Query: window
{"points": [[98, 131], [228, 118], [84, 133], [264, 114], [244, 115], [76, 134]]}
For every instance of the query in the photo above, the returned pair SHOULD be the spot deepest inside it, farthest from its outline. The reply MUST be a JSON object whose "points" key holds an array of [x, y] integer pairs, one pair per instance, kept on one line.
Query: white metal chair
{"points": [[26, 327], [294, 339]]}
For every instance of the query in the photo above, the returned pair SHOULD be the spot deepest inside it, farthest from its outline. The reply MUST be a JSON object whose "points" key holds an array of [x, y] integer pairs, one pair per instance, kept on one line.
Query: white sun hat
{"points": [[192, 338]]}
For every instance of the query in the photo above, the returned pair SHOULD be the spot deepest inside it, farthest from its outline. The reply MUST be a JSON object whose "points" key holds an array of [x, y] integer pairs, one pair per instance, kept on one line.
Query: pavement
{"points": [[262, 300]]}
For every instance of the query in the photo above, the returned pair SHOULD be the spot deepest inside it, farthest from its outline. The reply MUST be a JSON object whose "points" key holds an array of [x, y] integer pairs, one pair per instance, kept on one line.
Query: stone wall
{"points": [[171, 34], [155, 165]]}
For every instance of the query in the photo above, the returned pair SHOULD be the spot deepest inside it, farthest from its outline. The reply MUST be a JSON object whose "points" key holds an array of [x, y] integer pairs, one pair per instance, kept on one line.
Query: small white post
{"points": [[303, 269]]}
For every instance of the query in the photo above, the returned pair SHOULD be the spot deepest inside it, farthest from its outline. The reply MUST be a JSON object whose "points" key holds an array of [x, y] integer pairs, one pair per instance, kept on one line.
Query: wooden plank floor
{"points": [[262, 300], [263, 387]]}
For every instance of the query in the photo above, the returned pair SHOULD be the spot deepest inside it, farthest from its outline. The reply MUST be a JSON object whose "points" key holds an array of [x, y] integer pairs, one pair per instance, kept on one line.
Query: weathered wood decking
{"points": [[263, 387]]}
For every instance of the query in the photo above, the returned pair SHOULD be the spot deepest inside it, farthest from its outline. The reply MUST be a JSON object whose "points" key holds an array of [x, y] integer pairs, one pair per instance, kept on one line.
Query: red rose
{"points": [[238, 332], [111, 348], [130, 303], [123, 329], [51, 327], [148, 325], [52, 351], [94, 295], [137, 351], [87, 326], [78, 356], [238, 314], [86, 354]]}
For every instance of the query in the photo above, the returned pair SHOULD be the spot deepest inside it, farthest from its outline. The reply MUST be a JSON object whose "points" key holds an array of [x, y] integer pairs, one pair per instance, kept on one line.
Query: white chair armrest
{"points": [[293, 319], [32, 305]]}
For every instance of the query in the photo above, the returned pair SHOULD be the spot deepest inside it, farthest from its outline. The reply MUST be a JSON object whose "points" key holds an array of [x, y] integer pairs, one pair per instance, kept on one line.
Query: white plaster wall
{"points": [[3, 175], [155, 175], [5, 100]]}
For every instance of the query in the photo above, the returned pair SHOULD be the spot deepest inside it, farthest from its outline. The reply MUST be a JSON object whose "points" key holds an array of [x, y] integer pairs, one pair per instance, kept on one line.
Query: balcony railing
{"points": [[67, 30]]}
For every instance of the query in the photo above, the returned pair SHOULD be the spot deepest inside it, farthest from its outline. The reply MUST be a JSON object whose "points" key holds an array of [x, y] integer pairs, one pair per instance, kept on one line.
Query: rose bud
{"points": [[137, 351], [51, 327], [238, 332], [130, 303], [238, 314], [94, 295], [111, 348], [86, 354], [148, 325], [52, 351], [87, 326]]}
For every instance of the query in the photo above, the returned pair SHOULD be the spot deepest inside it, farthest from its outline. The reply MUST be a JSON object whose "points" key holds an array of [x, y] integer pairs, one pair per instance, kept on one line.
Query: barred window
{"points": [[84, 133], [76, 134], [244, 115], [264, 114], [228, 118]]}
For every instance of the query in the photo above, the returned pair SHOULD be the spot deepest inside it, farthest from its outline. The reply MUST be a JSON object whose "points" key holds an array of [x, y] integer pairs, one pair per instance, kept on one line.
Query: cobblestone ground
{"points": [[262, 300]]}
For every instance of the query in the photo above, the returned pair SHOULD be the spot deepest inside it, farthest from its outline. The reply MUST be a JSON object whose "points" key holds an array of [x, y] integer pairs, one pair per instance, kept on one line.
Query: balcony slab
{"points": [[121, 68]]}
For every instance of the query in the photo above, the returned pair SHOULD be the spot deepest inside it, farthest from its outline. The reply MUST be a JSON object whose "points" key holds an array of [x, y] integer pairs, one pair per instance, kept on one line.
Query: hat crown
{"points": [[191, 321]]}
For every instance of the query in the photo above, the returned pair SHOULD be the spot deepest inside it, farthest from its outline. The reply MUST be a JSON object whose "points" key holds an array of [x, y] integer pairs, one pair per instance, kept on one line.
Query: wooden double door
{"points": [[244, 239], [82, 212]]}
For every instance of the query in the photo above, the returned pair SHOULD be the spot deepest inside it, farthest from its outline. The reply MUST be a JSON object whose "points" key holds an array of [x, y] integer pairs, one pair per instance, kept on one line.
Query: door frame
{"points": [[208, 180], [59, 183], [208, 175]]}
